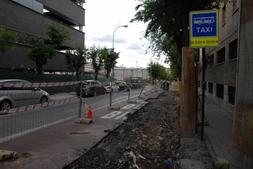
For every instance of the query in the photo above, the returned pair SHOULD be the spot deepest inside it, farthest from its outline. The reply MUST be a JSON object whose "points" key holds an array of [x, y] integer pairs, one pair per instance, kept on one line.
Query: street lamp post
{"points": [[113, 35]]}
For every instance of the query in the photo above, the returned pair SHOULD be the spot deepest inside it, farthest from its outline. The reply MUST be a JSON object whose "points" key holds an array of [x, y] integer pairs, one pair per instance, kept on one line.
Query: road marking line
{"points": [[127, 107], [119, 101], [111, 115], [13, 136], [122, 115]]}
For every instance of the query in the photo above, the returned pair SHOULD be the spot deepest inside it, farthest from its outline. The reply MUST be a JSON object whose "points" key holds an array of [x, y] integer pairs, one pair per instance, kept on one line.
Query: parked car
{"points": [[20, 96], [122, 85], [107, 87], [91, 88]]}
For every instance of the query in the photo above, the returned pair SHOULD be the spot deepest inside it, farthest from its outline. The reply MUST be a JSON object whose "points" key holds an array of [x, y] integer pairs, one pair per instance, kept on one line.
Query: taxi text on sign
{"points": [[204, 29]]}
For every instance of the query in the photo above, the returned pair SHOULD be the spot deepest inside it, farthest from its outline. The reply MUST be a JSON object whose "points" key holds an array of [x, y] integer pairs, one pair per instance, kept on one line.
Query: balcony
{"points": [[66, 9], [23, 19]]}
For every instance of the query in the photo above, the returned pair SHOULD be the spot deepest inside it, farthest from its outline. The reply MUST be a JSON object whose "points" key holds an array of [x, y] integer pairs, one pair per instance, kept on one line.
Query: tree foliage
{"points": [[46, 47], [157, 72], [110, 59], [56, 35], [76, 59], [7, 40], [40, 53], [168, 23], [96, 60]]}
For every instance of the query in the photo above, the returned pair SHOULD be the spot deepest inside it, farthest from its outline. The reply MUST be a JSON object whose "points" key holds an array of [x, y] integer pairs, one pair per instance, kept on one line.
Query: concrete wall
{"points": [[243, 127], [22, 19], [224, 73], [126, 73], [67, 8], [17, 58]]}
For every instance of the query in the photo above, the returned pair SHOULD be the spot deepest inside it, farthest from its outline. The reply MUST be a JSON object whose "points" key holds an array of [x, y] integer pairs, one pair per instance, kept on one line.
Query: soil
{"points": [[148, 139]]}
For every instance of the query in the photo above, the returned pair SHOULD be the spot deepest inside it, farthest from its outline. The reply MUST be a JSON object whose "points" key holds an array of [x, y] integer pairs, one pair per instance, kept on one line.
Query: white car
{"points": [[20, 96], [108, 87]]}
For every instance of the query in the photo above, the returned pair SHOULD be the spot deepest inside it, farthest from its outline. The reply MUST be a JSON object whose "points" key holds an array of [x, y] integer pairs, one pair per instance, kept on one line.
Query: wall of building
{"points": [[66, 8], [243, 127], [221, 71], [29, 24], [28, 21], [126, 73], [17, 59]]}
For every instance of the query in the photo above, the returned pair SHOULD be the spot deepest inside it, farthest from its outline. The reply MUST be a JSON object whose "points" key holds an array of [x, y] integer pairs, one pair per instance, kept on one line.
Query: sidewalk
{"points": [[218, 133]]}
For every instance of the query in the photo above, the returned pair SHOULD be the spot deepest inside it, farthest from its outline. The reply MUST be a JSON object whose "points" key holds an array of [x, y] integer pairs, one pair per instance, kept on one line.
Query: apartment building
{"points": [[222, 60], [29, 19], [229, 78], [122, 73]]}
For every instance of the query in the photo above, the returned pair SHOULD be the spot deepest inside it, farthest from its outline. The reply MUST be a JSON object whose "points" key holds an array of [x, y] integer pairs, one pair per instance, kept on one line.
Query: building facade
{"points": [[122, 73], [221, 61], [229, 77], [29, 19]]}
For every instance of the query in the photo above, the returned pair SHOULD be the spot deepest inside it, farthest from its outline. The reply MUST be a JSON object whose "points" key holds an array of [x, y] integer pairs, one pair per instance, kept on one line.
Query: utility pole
{"points": [[110, 96], [203, 93], [80, 88]]}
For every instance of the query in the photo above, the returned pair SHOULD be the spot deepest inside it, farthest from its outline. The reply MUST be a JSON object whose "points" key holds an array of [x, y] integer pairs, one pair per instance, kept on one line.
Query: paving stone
{"points": [[191, 164]]}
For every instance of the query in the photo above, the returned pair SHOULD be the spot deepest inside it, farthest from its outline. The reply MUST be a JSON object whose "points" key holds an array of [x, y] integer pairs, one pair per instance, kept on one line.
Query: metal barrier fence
{"points": [[22, 120]]}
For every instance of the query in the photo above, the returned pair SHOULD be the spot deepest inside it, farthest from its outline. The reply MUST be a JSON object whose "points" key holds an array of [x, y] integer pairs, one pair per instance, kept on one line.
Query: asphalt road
{"points": [[19, 124]]}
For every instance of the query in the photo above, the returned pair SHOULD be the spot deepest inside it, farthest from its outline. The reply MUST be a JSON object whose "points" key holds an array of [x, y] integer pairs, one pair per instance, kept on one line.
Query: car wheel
{"points": [[43, 100], [5, 105]]}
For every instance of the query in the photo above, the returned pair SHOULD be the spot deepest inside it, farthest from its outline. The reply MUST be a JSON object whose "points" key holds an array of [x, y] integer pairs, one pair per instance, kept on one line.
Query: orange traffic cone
{"points": [[89, 112]]}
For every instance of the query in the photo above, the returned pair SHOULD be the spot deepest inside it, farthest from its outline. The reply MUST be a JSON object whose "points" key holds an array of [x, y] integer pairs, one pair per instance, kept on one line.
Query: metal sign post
{"points": [[81, 90], [203, 93], [204, 32]]}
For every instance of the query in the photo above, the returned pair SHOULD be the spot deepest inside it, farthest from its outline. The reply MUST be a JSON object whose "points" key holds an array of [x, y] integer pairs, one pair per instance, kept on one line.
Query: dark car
{"points": [[91, 88], [123, 86]]}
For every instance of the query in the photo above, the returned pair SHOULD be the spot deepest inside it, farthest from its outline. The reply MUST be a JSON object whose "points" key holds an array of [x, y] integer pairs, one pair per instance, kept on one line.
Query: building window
{"points": [[233, 50], [220, 91], [221, 56], [210, 87], [231, 95], [210, 60]]}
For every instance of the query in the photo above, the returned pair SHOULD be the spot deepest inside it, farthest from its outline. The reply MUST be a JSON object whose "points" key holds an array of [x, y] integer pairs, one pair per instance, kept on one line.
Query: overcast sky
{"points": [[103, 16]]}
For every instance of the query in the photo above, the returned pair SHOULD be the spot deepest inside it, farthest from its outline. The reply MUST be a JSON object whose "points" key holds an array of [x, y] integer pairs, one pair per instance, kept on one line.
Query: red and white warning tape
{"points": [[42, 84], [40, 106]]}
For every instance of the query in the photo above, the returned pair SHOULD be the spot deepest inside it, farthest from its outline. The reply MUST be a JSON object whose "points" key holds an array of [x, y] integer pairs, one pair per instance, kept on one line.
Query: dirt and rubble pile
{"points": [[145, 140]]}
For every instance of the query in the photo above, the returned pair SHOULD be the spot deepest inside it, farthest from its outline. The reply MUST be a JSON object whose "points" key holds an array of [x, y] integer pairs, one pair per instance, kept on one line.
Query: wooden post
{"points": [[188, 108]]}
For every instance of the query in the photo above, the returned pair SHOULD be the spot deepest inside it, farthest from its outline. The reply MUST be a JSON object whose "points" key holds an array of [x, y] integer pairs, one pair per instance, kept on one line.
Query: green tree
{"points": [[7, 39], [46, 47], [157, 72], [96, 60], [56, 36], [168, 22], [76, 59], [40, 53], [110, 59]]}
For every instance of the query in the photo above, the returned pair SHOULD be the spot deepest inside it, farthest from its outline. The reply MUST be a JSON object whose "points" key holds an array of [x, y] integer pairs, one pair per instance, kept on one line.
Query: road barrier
{"points": [[39, 106], [20, 121], [41, 84]]}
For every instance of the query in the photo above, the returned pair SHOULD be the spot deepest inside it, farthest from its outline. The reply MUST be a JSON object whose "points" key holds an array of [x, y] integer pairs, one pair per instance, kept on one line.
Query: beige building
{"points": [[122, 73]]}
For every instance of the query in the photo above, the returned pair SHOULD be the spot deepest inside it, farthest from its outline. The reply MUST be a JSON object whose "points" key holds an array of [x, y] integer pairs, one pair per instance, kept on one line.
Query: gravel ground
{"points": [[144, 141], [148, 139]]}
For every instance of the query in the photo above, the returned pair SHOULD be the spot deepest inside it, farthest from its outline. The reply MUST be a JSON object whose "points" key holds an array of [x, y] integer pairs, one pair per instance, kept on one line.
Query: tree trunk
{"points": [[39, 69], [107, 74], [96, 75]]}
